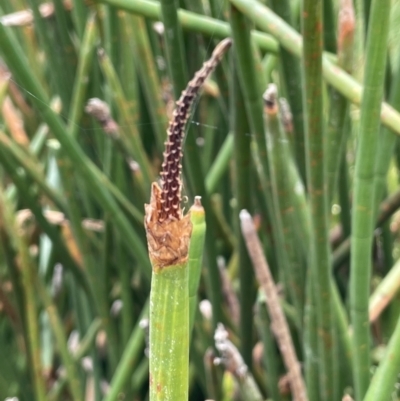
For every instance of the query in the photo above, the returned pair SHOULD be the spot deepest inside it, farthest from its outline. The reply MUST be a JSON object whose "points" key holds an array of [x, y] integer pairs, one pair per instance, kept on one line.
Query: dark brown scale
{"points": [[171, 167]]}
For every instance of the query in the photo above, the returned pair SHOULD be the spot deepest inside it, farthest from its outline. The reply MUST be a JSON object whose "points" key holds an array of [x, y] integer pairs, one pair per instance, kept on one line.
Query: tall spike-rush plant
{"points": [[168, 237]]}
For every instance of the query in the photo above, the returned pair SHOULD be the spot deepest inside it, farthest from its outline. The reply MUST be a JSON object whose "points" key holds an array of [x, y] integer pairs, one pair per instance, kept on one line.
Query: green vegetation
{"points": [[266, 267]]}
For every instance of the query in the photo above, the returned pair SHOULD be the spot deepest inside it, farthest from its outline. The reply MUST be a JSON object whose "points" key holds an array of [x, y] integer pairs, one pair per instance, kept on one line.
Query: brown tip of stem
{"points": [[197, 207], [270, 99], [197, 200], [101, 112], [98, 109], [197, 203], [346, 26], [101, 53], [222, 47]]}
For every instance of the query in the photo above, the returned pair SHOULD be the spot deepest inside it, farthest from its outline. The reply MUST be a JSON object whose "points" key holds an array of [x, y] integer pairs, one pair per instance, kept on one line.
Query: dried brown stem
{"points": [[279, 325], [234, 363], [229, 293]]}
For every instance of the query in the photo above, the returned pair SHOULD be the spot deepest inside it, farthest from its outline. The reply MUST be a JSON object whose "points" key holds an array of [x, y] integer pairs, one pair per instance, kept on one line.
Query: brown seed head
{"points": [[168, 231], [171, 167]]}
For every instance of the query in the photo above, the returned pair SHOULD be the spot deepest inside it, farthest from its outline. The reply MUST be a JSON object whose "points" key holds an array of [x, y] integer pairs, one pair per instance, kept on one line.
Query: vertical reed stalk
{"points": [[316, 179], [82, 75], [337, 129], [242, 191], [197, 217], [284, 182], [270, 354], [174, 46], [291, 72], [364, 193]]}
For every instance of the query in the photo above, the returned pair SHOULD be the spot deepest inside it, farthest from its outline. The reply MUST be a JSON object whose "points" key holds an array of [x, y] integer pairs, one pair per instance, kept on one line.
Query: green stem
{"points": [[387, 142], [220, 164], [291, 71], [196, 179], [386, 209], [338, 127], [345, 350], [79, 16], [336, 141], [385, 378], [174, 46], [82, 75], [61, 83], [140, 377], [270, 355], [196, 249], [252, 84], [284, 182], [316, 172], [129, 360], [343, 196], [242, 193], [329, 26], [61, 338], [310, 343], [191, 21], [364, 192], [169, 334], [360, 34]]}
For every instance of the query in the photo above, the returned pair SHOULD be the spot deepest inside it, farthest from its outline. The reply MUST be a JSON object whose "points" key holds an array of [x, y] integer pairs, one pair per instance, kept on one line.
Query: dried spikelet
{"points": [[101, 112], [168, 232], [270, 99]]}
